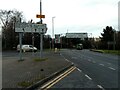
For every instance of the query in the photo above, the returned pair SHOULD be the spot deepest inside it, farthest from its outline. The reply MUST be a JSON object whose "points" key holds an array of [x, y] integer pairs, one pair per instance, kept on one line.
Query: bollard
{"points": [[55, 50]]}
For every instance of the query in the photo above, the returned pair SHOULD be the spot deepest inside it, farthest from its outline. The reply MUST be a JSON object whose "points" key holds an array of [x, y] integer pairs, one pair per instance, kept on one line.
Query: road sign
{"points": [[76, 35], [29, 27], [39, 28], [40, 16]]}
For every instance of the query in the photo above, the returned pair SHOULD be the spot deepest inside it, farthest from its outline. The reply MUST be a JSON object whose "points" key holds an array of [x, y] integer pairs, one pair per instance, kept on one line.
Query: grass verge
{"points": [[25, 83], [115, 52], [40, 59], [29, 83]]}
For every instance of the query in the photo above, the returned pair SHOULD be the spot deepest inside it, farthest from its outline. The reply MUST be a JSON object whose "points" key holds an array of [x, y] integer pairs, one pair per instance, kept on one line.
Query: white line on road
{"points": [[102, 64], [79, 70], [89, 60], [111, 68], [67, 60], [100, 87], [88, 77]]}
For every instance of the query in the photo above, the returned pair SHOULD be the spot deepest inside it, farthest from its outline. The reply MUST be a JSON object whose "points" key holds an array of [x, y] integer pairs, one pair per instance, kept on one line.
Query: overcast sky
{"points": [[71, 16]]}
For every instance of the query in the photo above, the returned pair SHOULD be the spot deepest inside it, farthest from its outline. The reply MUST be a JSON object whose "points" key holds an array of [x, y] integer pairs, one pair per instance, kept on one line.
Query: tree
{"points": [[8, 18], [107, 36]]}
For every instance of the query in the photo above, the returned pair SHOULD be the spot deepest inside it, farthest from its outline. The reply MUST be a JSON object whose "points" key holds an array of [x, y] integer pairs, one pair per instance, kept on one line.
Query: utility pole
{"points": [[53, 32], [41, 33], [114, 40]]}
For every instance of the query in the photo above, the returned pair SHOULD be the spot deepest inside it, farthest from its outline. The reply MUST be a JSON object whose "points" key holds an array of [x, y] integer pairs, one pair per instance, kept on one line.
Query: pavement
{"points": [[26, 73]]}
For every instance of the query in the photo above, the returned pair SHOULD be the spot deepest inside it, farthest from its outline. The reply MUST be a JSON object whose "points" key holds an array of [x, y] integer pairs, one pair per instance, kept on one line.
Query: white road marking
{"points": [[88, 77], [72, 62], [64, 57], [79, 70], [89, 60], [57, 79], [111, 68], [102, 64], [67, 60], [100, 87]]}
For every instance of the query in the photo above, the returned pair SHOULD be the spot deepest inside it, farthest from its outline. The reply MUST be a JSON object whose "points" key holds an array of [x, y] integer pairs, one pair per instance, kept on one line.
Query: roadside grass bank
{"points": [[40, 59], [115, 52]]}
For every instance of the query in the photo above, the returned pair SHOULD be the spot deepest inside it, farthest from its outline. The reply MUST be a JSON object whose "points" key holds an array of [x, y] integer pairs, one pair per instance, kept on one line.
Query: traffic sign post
{"points": [[32, 28], [41, 33], [20, 42]]}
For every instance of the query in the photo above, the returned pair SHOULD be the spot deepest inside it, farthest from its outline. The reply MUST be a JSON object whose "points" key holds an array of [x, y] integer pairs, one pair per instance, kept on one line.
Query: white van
{"points": [[79, 46], [27, 48]]}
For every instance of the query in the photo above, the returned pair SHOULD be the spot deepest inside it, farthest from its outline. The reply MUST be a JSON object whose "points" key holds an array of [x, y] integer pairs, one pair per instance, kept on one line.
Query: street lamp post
{"points": [[114, 40], [32, 38], [53, 32]]}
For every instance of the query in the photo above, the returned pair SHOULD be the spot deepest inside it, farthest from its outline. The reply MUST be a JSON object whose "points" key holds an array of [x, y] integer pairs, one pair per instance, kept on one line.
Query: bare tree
{"points": [[8, 19], [5, 17]]}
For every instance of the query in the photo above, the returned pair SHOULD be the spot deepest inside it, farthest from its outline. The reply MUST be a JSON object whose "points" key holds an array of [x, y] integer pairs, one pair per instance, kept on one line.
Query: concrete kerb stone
{"points": [[96, 51], [41, 82]]}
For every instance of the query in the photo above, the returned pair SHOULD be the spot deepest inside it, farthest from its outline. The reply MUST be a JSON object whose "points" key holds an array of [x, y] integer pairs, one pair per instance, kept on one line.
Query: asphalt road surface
{"points": [[94, 70]]}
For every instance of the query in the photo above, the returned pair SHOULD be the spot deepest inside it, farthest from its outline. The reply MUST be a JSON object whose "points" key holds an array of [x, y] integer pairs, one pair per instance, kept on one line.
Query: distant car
{"points": [[27, 48], [79, 46]]}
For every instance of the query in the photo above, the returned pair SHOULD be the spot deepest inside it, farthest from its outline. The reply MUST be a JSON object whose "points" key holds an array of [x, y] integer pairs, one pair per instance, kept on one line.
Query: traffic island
{"points": [[40, 59], [95, 50], [32, 71]]}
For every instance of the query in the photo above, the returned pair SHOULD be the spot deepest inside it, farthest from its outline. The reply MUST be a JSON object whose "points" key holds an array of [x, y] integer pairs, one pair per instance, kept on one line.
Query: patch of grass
{"points": [[102, 51], [40, 59], [25, 83], [29, 83], [115, 52], [39, 78]]}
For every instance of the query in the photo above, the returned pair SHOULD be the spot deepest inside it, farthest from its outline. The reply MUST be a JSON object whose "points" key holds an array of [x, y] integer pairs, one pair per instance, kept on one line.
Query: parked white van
{"points": [[27, 48]]}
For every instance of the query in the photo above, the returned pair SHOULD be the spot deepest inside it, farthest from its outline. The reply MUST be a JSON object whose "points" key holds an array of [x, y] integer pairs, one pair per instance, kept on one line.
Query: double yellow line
{"points": [[55, 80]]}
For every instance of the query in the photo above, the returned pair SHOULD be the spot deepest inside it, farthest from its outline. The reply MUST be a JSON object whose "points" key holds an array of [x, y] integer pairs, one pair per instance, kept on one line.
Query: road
{"points": [[94, 70]]}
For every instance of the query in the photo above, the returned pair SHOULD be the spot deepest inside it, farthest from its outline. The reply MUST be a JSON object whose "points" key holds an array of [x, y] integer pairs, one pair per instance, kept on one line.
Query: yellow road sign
{"points": [[40, 16]]}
